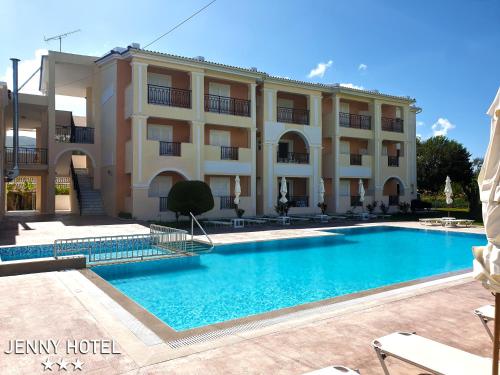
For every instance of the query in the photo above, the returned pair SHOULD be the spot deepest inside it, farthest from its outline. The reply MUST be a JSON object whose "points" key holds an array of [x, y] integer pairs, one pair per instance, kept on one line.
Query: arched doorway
{"points": [[393, 189], [158, 190], [293, 148]]}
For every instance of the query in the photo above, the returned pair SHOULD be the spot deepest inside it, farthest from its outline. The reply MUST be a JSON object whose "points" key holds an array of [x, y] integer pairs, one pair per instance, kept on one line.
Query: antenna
{"points": [[60, 37]]}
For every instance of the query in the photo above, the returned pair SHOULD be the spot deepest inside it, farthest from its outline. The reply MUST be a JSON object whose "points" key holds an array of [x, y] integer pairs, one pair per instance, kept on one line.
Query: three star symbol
{"points": [[63, 364]]}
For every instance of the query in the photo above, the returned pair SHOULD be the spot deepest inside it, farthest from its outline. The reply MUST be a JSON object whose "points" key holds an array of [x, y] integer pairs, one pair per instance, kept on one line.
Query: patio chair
{"points": [[486, 314], [334, 370], [429, 355]]}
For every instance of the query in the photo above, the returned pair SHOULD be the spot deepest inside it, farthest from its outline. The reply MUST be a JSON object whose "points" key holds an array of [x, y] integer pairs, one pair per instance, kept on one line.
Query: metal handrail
{"points": [[76, 186], [26, 155], [199, 226], [227, 105]]}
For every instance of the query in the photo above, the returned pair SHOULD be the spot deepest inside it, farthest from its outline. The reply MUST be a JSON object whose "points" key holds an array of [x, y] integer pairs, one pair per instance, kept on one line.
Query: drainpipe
{"points": [[14, 172]]}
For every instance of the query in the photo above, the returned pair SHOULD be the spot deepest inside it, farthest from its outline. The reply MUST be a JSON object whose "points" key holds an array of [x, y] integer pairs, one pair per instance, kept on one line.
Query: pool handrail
{"points": [[199, 226]]}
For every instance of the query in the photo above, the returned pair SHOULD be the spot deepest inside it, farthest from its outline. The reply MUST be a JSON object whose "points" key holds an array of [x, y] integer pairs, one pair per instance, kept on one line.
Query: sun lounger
{"points": [[283, 220], [255, 221], [218, 223], [300, 218], [429, 355], [430, 221], [486, 314], [334, 370]]}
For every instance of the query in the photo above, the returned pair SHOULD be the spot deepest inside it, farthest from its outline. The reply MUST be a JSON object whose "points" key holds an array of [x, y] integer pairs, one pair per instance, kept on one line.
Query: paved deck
{"points": [[64, 305]]}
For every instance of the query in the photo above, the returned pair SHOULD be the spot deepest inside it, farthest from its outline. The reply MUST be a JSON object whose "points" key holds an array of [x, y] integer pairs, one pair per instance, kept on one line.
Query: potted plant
{"points": [[322, 207], [384, 208], [371, 207], [281, 208], [239, 212]]}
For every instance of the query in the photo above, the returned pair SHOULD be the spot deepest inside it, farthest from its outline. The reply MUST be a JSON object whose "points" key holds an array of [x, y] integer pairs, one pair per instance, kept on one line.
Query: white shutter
{"points": [[344, 107], [286, 103], [384, 150], [159, 79], [160, 186], [220, 186], [162, 133], [344, 147], [398, 112], [220, 138], [344, 188], [215, 88]]}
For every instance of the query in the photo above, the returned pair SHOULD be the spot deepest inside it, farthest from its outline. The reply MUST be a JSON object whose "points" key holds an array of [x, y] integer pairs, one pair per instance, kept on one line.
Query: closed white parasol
{"points": [[487, 258], [321, 191], [283, 190], [237, 190], [361, 191], [448, 191]]}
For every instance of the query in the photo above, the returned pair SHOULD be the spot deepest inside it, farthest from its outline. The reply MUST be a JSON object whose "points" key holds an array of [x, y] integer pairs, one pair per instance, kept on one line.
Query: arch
{"points": [[399, 180], [301, 134], [161, 170], [62, 152]]}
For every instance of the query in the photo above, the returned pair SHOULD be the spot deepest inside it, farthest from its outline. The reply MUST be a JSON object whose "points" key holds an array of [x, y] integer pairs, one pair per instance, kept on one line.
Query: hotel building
{"points": [[153, 119]]}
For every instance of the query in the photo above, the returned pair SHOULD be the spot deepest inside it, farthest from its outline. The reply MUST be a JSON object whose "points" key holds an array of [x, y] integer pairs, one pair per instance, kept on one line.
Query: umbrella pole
{"points": [[496, 335]]}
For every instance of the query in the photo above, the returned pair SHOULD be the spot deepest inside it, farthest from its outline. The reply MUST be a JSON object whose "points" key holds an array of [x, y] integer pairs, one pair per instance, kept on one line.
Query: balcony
{"points": [[226, 105], [293, 157], [390, 124], [170, 148], [356, 159], [74, 134], [228, 153], [227, 202], [26, 155], [393, 200], [163, 204], [169, 96], [393, 161], [293, 115], [351, 120]]}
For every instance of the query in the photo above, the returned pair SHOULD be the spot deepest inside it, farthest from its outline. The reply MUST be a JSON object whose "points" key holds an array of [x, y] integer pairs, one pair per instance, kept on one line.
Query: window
{"points": [[220, 138], [344, 107], [160, 132], [160, 186], [344, 188], [159, 79], [220, 89], [398, 112], [286, 103], [220, 186], [344, 147]]}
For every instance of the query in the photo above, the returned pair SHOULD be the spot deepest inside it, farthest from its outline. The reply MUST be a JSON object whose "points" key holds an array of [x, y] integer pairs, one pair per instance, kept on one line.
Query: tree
{"points": [[438, 157], [190, 196]]}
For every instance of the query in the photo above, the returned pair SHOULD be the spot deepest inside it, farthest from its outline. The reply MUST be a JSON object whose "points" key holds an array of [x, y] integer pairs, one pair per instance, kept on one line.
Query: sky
{"points": [[443, 53]]}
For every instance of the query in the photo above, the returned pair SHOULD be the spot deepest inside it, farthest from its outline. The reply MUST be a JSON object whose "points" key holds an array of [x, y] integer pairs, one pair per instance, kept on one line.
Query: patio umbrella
{"points": [[237, 190], [361, 192], [487, 258], [448, 192], [283, 190], [321, 191]]}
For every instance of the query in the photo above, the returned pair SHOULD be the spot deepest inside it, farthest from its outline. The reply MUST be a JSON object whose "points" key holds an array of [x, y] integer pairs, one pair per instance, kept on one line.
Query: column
{"points": [[253, 177], [268, 184], [48, 181], [89, 107], [270, 105], [253, 103], [140, 85], [336, 153], [315, 110], [198, 94], [198, 136], [139, 135], [377, 150], [315, 153]]}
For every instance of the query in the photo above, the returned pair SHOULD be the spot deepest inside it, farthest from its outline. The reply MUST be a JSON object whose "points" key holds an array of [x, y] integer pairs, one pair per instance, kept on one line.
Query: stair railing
{"points": [[76, 186], [194, 220]]}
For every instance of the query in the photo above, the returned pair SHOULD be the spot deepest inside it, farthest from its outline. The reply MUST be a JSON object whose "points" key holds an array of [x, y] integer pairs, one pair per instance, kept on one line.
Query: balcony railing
{"points": [[226, 105], [356, 159], [169, 96], [393, 161], [26, 155], [74, 134], [228, 153], [393, 200], [355, 202], [299, 200], [392, 124], [293, 115], [227, 202], [351, 120], [163, 204], [170, 148], [293, 157]]}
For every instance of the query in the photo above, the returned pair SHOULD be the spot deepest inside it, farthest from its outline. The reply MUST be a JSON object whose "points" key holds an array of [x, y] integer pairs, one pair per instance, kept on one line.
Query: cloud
{"points": [[441, 127], [320, 69], [420, 123], [352, 86], [362, 67], [26, 69]]}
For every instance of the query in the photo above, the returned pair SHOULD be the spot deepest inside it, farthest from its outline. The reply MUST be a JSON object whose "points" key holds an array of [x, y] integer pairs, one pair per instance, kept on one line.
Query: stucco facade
{"points": [[153, 119]]}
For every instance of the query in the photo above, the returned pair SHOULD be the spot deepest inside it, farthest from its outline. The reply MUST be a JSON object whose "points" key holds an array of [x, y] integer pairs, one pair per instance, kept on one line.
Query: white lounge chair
{"points": [[429, 355], [486, 314], [334, 370], [430, 221]]}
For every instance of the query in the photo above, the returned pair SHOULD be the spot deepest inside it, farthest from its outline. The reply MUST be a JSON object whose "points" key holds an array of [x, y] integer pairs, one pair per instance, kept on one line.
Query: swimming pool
{"points": [[240, 280]]}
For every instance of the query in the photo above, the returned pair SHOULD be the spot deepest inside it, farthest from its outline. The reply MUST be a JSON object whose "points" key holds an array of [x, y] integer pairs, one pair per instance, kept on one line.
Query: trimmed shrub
{"points": [[417, 204], [190, 196]]}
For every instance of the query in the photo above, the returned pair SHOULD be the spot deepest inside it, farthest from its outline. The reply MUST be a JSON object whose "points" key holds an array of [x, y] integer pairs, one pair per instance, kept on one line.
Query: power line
{"points": [[183, 22]]}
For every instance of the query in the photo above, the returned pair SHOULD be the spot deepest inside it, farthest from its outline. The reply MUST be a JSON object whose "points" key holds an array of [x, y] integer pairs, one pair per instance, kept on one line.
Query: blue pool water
{"points": [[236, 281]]}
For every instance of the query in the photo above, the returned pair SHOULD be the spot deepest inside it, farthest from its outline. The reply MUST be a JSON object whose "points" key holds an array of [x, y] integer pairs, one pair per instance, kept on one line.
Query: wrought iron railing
{"points": [[76, 186], [74, 134], [227, 202], [393, 161], [393, 200], [228, 153], [293, 115], [299, 200], [226, 105], [169, 96], [293, 157], [351, 120], [26, 155], [392, 124], [355, 202], [163, 204], [356, 159], [170, 148]]}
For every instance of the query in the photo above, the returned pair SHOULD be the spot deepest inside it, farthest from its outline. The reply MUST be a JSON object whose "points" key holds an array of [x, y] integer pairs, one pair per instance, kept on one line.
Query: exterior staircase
{"points": [[91, 201]]}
